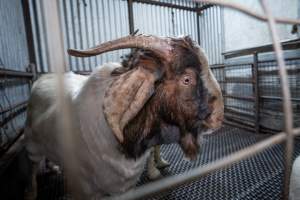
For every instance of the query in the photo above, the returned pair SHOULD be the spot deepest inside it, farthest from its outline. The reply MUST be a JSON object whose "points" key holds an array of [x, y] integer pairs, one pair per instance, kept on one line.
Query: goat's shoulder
{"points": [[105, 70]]}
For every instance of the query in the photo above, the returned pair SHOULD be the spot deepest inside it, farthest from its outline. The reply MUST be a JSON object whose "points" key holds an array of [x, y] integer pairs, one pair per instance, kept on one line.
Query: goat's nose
{"points": [[204, 113]]}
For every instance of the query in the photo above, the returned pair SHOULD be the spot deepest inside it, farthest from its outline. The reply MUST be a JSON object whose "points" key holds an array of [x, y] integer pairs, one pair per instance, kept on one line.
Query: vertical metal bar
{"points": [[28, 29], [256, 90], [287, 104], [198, 25], [130, 16]]}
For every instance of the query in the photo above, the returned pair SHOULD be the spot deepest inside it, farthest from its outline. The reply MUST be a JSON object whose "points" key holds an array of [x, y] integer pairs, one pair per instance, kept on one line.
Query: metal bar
{"points": [[256, 92], [286, 45], [239, 125], [278, 98], [238, 107], [12, 115], [218, 66], [275, 72], [250, 12], [231, 65], [19, 134], [13, 107], [14, 74], [130, 16], [239, 113], [174, 181], [11, 151], [198, 25], [83, 72], [33, 69], [238, 80], [240, 120], [171, 5], [246, 98], [287, 105], [28, 29]]}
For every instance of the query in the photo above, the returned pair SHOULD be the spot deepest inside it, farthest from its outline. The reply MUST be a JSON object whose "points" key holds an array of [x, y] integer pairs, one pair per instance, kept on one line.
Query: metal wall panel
{"points": [[212, 33], [86, 23], [162, 21], [13, 42], [13, 56]]}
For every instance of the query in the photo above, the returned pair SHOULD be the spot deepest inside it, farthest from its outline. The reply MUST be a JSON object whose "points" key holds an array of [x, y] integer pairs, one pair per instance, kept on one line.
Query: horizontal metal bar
{"points": [[238, 119], [231, 65], [239, 113], [240, 108], [285, 59], [83, 72], [14, 74], [246, 98], [19, 134], [275, 72], [218, 66], [278, 98], [174, 181], [237, 80], [286, 45], [13, 107], [239, 125], [12, 115], [171, 5]]}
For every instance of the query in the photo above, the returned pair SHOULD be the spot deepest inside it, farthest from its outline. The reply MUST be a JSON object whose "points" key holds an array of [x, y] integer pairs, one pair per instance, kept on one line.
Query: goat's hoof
{"points": [[154, 174], [162, 163]]}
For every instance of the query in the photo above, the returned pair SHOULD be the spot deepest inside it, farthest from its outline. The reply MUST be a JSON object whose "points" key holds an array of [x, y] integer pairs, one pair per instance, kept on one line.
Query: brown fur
{"points": [[171, 103]]}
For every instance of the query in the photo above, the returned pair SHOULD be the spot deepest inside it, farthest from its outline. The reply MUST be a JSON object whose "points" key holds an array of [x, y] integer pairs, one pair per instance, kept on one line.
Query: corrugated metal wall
{"points": [[212, 34], [90, 22], [13, 56], [86, 23], [162, 21]]}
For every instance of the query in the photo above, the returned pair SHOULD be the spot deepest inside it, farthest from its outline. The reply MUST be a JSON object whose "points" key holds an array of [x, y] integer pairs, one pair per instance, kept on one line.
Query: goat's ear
{"points": [[127, 95]]}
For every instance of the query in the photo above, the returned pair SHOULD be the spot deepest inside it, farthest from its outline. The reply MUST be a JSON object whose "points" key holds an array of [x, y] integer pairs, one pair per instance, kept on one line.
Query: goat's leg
{"points": [[160, 162], [52, 167], [31, 190], [152, 172]]}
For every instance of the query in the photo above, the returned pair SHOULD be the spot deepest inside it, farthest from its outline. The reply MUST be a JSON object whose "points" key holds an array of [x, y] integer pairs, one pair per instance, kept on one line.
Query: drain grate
{"points": [[259, 177]]}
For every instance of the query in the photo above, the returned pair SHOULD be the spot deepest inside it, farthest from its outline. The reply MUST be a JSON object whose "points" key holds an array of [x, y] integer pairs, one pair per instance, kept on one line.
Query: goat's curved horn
{"points": [[160, 46]]}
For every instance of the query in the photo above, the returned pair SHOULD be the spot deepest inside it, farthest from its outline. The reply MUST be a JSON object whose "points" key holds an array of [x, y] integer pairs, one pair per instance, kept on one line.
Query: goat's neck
{"points": [[142, 132]]}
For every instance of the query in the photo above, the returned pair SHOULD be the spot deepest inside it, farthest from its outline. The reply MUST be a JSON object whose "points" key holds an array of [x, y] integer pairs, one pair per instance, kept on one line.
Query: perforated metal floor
{"points": [[259, 177]]}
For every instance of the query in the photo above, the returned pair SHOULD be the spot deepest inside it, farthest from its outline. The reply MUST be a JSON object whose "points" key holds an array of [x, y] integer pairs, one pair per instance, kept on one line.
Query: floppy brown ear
{"points": [[127, 96]]}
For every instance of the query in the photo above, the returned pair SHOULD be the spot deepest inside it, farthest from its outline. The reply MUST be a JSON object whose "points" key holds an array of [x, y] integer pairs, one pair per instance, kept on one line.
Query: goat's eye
{"points": [[187, 80]]}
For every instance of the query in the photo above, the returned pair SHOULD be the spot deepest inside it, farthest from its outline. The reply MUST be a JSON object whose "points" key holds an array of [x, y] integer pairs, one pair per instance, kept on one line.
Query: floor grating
{"points": [[259, 177]]}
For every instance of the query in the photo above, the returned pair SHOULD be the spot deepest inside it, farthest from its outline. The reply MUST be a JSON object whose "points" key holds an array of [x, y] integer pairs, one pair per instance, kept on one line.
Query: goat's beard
{"points": [[189, 145], [188, 142]]}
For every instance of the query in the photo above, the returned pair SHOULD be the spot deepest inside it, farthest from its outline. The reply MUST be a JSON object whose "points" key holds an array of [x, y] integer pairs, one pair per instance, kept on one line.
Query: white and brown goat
{"points": [[117, 113]]}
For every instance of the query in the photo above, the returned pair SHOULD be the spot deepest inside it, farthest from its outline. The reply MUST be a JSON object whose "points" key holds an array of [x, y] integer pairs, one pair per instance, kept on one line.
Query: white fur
{"points": [[295, 181], [101, 167]]}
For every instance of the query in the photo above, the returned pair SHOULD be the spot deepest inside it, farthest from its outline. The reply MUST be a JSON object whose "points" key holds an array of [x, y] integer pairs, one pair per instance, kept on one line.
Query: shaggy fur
{"points": [[117, 113]]}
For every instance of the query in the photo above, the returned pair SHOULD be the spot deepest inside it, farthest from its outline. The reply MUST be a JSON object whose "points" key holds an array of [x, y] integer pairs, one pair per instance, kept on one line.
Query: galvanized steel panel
{"points": [[212, 33], [13, 56], [13, 42], [86, 23], [163, 21]]}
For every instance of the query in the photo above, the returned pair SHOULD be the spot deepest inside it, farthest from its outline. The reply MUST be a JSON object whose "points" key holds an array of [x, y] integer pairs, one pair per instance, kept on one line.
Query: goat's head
{"points": [[166, 80]]}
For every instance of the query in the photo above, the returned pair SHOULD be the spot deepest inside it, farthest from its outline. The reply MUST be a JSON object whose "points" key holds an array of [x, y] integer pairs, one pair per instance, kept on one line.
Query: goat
{"points": [[156, 162], [294, 193], [117, 112]]}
